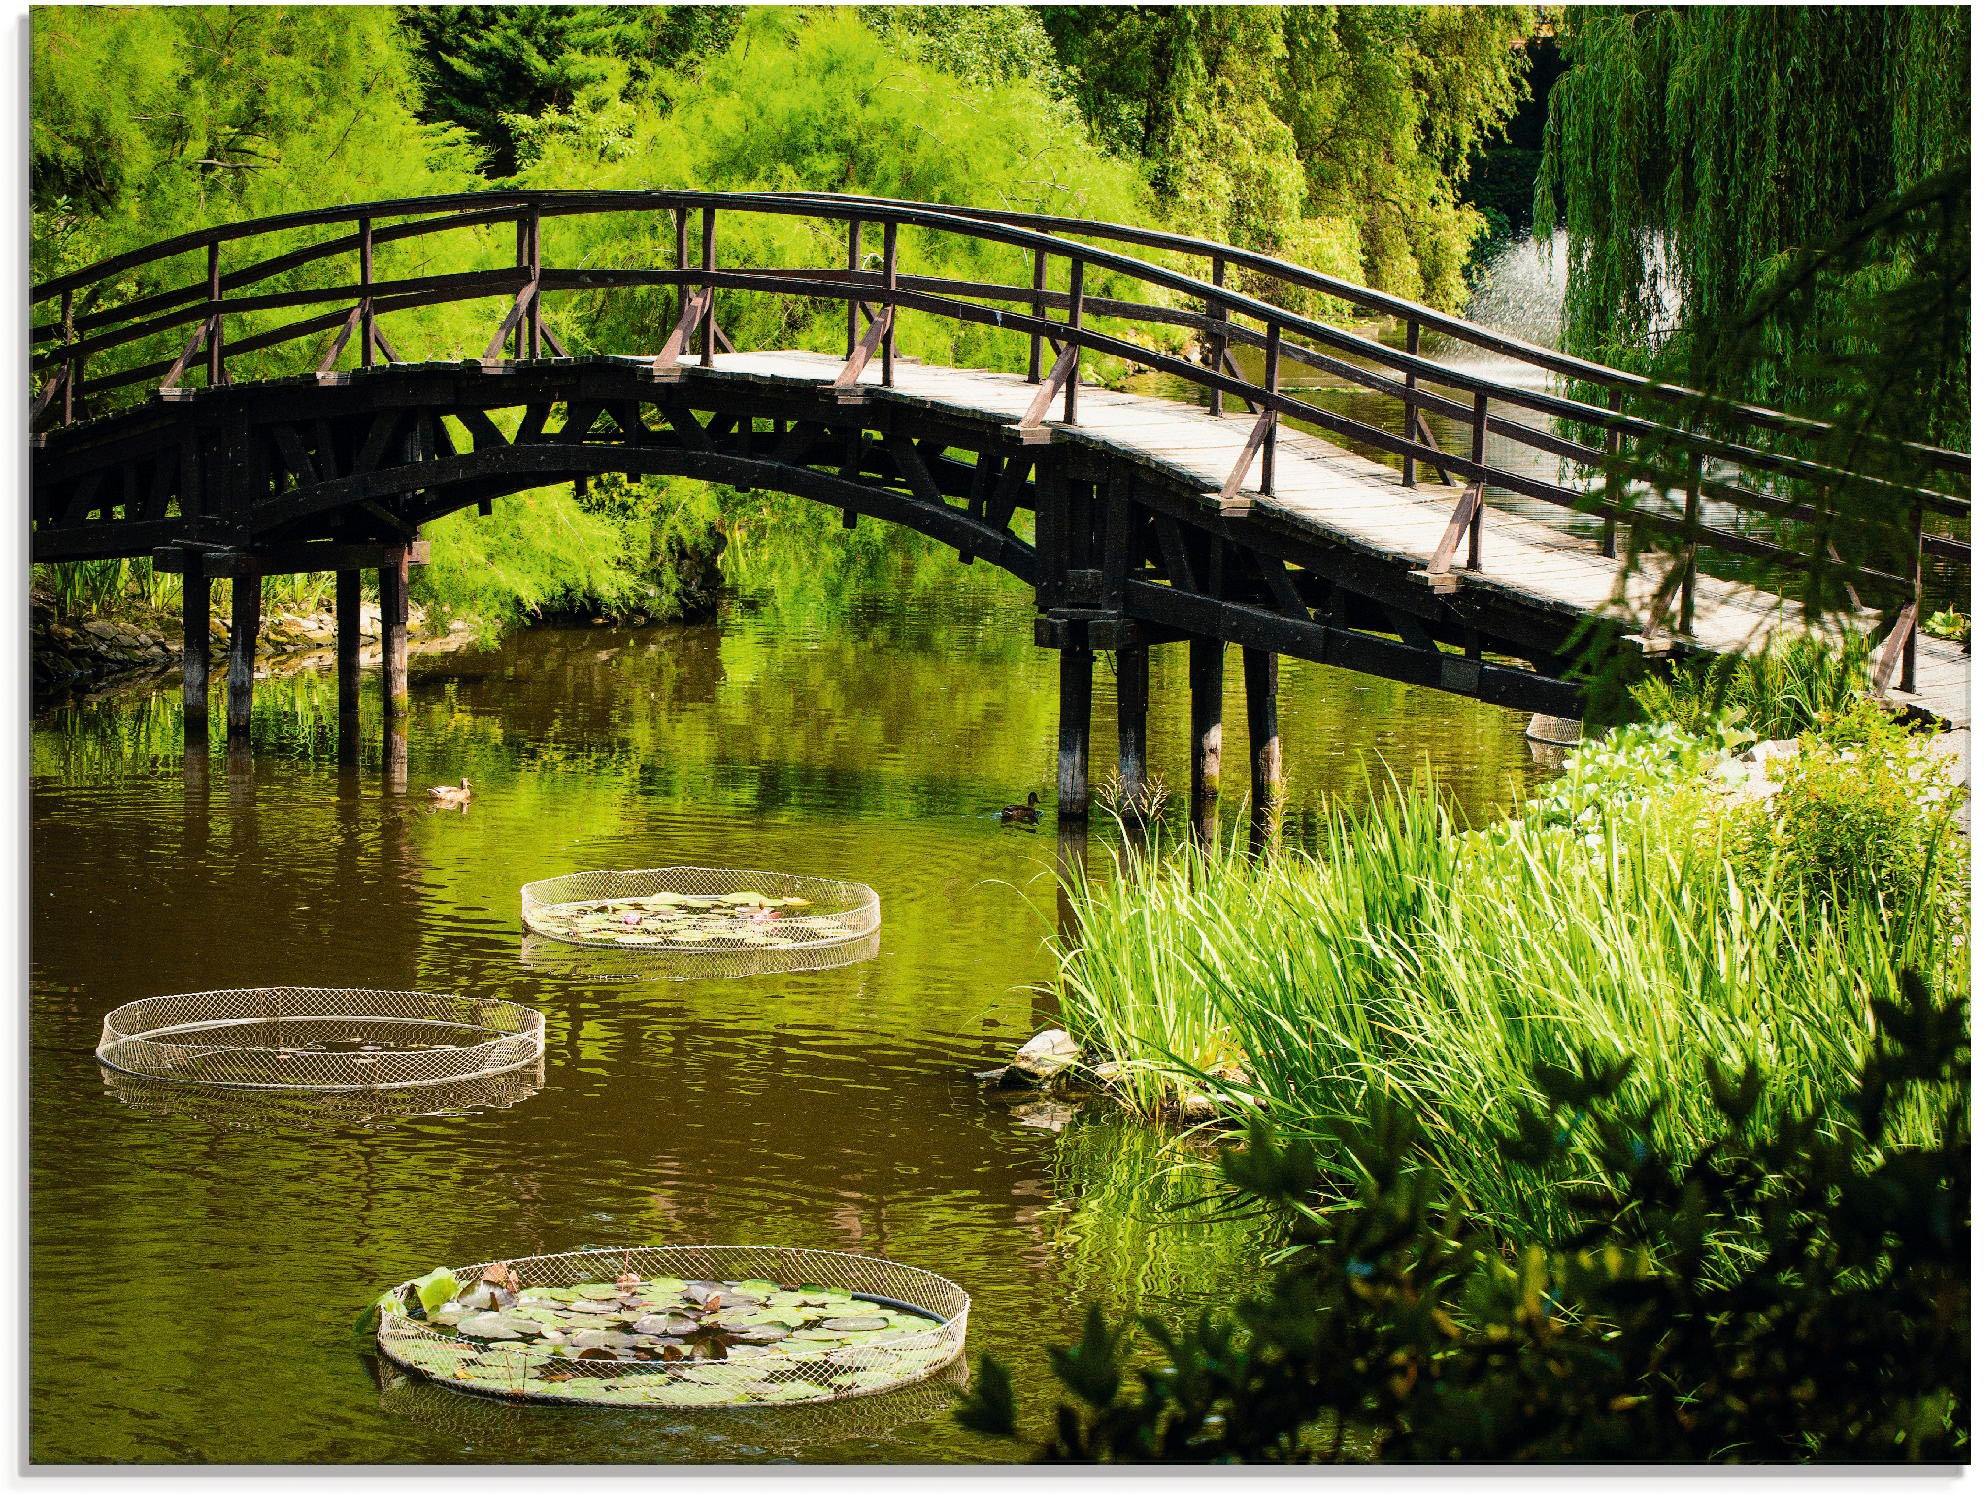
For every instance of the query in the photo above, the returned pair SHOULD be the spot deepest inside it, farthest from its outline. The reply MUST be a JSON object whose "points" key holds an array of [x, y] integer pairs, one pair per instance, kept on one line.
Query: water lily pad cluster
{"points": [[661, 1340], [686, 920]]}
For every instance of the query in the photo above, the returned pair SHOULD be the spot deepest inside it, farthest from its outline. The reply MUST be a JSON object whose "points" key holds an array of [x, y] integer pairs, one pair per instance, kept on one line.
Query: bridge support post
{"points": [[195, 641], [1262, 668], [1132, 716], [392, 643], [1208, 681], [244, 629], [1077, 691], [349, 632]]}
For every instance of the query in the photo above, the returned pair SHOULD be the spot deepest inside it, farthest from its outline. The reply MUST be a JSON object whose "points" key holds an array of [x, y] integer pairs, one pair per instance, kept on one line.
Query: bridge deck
{"points": [[1354, 501]]}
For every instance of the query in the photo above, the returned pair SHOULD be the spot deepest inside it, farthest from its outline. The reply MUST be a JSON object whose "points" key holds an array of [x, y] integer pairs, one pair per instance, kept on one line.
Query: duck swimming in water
{"points": [[448, 793], [1022, 814]]}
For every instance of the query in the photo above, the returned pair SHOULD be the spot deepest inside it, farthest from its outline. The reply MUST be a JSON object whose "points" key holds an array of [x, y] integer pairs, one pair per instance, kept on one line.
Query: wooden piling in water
{"points": [[350, 631], [196, 629], [1262, 668], [1132, 718], [1208, 682], [1077, 691], [244, 629], [392, 647], [392, 629]]}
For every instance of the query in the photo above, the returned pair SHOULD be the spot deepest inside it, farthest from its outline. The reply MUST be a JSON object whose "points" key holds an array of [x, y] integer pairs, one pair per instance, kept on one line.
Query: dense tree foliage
{"points": [[147, 121], [484, 66], [1740, 167], [1335, 135]]}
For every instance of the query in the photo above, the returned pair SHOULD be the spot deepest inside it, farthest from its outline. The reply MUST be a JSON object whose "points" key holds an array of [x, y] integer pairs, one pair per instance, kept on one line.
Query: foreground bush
{"points": [[1790, 1290]]}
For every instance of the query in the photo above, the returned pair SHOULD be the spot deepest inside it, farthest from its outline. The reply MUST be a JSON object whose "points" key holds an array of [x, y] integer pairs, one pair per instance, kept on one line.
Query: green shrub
{"points": [[1786, 688], [1792, 1290], [1862, 811]]}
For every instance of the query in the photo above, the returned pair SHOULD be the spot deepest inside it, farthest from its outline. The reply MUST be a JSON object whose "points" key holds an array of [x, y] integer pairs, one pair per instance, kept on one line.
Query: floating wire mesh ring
{"points": [[312, 1038], [239, 1108], [705, 921], [792, 1372]]}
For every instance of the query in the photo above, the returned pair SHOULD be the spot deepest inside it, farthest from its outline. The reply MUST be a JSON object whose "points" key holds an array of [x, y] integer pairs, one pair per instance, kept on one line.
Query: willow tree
{"points": [[1744, 187]]}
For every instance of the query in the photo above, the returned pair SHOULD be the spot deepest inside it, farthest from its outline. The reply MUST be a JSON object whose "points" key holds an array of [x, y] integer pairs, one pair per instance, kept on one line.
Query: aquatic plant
{"points": [[1441, 968]]}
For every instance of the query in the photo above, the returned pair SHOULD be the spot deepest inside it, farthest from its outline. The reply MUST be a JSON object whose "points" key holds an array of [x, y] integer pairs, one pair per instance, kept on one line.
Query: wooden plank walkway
{"points": [[1353, 501]]}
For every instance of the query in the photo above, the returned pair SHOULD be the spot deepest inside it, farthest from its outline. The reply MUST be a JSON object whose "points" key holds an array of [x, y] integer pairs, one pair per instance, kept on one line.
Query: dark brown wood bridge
{"points": [[186, 413]]}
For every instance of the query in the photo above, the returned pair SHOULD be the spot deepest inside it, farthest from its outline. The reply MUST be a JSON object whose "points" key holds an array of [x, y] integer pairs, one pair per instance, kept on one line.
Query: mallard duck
{"points": [[447, 793], [1022, 814]]}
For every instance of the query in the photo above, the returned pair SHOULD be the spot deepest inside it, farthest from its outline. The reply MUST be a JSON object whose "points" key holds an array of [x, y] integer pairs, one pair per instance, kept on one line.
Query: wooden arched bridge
{"points": [[1152, 521]]}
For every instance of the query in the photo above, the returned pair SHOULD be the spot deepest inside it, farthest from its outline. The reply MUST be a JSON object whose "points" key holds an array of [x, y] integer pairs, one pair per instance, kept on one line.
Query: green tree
{"points": [[485, 66], [1336, 135], [149, 121], [1736, 182]]}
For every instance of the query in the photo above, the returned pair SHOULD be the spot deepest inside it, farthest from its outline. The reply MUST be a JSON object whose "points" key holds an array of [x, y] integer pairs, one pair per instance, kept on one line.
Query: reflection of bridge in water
{"points": [[1152, 522]]}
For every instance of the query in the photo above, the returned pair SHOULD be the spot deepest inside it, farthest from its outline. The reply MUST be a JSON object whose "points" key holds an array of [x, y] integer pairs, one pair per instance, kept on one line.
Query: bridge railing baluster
{"points": [[709, 263], [216, 355], [1411, 477], [682, 291], [1217, 351], [1269, 415], [1478, 453], [1074, 384], [365, 332], [69, 369], [1691, 518], [535, 239], [889, 305], [853, 270], [1608, 541], [1039, 313]]}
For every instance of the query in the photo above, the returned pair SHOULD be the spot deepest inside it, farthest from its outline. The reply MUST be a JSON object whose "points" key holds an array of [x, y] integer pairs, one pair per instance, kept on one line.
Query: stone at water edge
{"points": [[1047, 1054]]}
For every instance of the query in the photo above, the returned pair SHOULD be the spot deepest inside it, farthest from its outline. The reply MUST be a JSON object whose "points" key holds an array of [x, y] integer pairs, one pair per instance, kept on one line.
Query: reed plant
{"points": [[1441, 967]]}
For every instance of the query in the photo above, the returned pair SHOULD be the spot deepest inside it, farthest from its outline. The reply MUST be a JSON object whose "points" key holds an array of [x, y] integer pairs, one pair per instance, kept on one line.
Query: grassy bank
{"points": [[1662, 902]]}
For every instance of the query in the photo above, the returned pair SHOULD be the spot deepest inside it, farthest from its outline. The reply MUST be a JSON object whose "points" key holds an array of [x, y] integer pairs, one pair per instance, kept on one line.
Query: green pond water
{"points": [[196, 1267]]}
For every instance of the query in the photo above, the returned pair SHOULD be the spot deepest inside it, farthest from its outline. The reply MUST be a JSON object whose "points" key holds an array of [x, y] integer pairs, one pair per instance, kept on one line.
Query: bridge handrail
{"points": [[500, 206], [1551, 360], [1047, 237]]}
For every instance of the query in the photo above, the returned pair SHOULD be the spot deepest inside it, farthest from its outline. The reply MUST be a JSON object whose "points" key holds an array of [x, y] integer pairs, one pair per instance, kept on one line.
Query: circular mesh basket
{"points": [[792, 1372], [321, 1109], [705, 922], [310, 1038]]}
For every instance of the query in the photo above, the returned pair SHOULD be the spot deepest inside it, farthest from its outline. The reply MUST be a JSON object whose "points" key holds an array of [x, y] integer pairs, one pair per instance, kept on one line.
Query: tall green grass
{"points": [[1443, 967]]}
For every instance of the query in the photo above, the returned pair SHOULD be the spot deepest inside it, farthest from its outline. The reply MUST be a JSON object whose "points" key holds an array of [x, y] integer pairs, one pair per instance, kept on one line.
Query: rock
{"points": [[1042, 1115], [1763, 752], [990, 1076], [1109, 1073], [1047, 1054], [1197, 1107]]}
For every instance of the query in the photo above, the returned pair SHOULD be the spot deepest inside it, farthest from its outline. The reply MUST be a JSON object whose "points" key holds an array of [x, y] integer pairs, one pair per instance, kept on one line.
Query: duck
{"points": [[448, 793], [1022, 814]]}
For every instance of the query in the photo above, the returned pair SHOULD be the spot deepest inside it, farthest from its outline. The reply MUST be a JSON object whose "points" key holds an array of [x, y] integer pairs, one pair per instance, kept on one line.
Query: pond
{"points": [[197, 1270]]}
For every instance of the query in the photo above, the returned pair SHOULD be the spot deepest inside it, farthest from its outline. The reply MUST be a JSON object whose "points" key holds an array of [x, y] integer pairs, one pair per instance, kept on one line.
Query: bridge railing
{"points": [[1650, 473]]}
